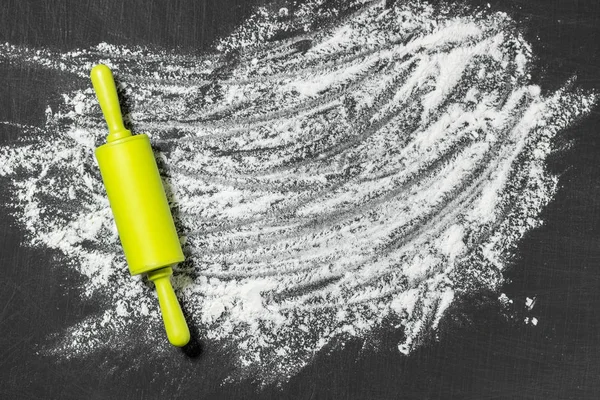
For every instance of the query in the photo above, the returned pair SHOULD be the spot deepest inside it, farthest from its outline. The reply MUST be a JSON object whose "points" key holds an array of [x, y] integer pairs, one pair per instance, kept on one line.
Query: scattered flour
{"points": [[332, 168]]}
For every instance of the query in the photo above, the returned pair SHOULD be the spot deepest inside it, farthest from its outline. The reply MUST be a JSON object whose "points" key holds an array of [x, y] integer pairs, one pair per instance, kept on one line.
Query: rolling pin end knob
{"points": [[178, 332]]}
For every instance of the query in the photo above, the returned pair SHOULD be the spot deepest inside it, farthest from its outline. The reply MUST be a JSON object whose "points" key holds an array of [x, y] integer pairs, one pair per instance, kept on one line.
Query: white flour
{"points": [[362, 172]]}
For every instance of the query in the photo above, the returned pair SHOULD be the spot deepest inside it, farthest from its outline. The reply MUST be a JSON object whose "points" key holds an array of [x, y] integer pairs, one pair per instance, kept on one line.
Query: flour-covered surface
{"points": [[334, 168]]}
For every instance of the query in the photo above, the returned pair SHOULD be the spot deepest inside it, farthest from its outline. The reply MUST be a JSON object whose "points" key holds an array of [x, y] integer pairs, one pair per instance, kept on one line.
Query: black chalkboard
{"points": [[484, 356]]}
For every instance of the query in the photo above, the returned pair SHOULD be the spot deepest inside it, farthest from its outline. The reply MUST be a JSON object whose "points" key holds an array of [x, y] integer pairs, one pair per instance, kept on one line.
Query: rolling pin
{"points": [[139, 205]]}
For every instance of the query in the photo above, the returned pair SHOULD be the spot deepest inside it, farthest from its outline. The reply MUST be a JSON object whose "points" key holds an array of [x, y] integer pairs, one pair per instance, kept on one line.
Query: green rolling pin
{"points": [[139, 204]]}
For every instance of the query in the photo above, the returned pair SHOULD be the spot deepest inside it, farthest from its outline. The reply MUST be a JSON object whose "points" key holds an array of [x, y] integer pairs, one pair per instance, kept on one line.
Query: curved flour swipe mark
{"points": [[362, 172]]}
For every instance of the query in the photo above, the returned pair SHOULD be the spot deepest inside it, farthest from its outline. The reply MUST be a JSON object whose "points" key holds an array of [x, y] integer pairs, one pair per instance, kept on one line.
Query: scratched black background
{"points": [[480, 355]]}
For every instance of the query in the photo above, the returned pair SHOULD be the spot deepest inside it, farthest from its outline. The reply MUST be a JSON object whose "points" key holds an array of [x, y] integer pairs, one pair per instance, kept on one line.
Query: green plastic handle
{"points": [[106, 91], [175, 324]]}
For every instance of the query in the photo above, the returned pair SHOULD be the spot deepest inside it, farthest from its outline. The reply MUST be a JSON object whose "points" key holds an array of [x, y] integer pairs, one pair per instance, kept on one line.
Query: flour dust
{"points": [[333, 168]]}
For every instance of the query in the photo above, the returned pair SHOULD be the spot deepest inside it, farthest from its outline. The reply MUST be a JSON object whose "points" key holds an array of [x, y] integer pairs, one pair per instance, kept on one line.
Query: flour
{"points": [[332, 170]]}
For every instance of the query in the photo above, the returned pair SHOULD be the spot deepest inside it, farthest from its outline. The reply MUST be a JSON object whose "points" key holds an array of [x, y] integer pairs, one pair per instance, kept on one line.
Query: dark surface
{"points": [[481, 353]]}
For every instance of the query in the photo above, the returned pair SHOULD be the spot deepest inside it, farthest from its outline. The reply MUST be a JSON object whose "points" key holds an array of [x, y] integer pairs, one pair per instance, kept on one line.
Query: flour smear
{"points": [[334, 169]]}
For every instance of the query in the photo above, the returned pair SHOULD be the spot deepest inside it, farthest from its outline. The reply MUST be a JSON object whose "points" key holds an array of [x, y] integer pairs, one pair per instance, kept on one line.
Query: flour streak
{"points": [[350, 168]]}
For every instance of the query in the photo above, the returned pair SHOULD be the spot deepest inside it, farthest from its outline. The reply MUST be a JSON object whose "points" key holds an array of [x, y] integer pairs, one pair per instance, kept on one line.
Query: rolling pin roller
{"points": [[139, 204]]}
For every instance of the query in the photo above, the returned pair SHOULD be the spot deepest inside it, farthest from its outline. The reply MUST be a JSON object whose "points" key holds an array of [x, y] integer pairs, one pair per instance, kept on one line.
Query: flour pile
{"points": [[333, 168]]}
